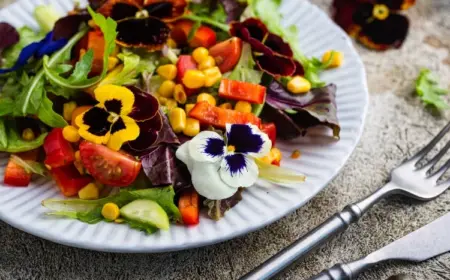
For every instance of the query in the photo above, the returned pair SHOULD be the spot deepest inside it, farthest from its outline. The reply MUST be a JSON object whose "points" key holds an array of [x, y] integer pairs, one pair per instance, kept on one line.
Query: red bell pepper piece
{"points": [[189, 207], [219, 117], [58, 150], [271, 130], [203, 37], [238, 90], [185, 63], [69, 179], [16, 175]]}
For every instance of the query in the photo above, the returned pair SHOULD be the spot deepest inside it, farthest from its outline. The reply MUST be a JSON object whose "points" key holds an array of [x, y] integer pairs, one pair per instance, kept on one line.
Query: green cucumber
{"points": [[147, 212]]}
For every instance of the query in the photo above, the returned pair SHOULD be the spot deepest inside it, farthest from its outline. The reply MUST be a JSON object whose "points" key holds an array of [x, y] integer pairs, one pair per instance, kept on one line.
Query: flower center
{"points": [[112, 118], [231, 148], [380, 11]]}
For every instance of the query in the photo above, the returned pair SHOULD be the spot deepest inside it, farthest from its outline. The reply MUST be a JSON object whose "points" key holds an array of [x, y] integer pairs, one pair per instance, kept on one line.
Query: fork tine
{"points": [[425, 150], [442, 170], [435, 160]]}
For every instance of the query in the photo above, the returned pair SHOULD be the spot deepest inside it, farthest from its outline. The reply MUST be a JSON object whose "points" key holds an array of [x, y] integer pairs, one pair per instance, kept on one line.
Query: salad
{"points": [[146, 111]]}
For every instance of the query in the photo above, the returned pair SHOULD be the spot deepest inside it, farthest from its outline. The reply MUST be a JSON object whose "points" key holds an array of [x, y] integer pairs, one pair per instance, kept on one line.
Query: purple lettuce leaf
{"points": [[217, 208], [294, 114], [8, 37], [166, 134]]}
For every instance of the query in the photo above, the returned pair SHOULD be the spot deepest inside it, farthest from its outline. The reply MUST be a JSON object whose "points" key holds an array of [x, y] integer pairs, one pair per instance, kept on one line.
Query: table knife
{"points": [[429, 241]]}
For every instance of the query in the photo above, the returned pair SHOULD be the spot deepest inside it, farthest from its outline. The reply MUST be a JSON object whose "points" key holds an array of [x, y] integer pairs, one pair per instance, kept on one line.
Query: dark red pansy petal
{"points": [[277, 44], [385, 34], [299, 70], [343, 11], [150, 33], [67, 26], [145, 105], [165, 9], [256, 27], [397, 5], [237, 29], [259, 47], [8, 35], [107, 7], [276, 65], [148, 135], [123, 10]]}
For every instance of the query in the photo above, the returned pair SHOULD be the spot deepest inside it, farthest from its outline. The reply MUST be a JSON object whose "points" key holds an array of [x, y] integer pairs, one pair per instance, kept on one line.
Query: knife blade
{"points": [[428, 241]]}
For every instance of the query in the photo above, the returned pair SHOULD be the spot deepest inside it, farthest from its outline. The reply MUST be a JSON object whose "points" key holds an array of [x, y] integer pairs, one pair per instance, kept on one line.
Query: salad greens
{"points": [[11, 140], [428, 90], [30, 166], [46, 16]]}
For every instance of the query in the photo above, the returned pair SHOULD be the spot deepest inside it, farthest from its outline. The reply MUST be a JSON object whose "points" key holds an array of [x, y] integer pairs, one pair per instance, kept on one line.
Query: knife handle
{"points": [[318, 236]]}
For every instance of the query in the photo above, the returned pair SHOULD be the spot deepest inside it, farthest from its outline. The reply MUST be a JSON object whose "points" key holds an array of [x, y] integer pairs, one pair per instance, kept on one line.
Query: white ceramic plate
{"points": [[321, 158]]}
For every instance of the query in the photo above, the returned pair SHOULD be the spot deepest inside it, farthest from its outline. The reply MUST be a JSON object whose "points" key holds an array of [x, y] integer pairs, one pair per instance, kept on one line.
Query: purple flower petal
{"points": [[248, 139], [207, 146], [237, 170]]}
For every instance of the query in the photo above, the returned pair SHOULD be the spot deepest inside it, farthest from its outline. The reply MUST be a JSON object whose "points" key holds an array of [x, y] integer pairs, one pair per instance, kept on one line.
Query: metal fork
{"points": [[415, 177]]}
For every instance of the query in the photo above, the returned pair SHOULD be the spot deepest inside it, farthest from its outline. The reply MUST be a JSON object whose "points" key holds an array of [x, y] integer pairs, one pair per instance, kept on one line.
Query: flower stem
{"points": [[211, 22]]}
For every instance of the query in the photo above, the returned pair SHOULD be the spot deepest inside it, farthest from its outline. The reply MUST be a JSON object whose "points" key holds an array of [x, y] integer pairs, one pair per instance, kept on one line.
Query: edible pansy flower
{"points": [[218, 165], [109, 122], [271, 53], [37, 50], [375, 23]]}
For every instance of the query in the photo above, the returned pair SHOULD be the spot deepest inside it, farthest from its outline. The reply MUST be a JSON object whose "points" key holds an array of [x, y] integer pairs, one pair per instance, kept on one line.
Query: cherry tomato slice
{"points": [[58, 150], [271, 130], [227, 53], [69, 179], [16, 175], [107, 166]]}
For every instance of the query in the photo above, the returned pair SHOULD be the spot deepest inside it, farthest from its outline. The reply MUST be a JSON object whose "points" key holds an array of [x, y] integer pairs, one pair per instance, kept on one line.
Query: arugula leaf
{"points": [[427, 88], [193, 30], [11, 140], [82, 68], [89, 211], [30, 166], [6, 106], [48, 116], [108, 27]]}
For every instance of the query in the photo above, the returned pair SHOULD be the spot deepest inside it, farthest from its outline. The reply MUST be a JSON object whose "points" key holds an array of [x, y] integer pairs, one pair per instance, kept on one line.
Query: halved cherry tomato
{"points": [[93, 40], [16, 175], [185, 63], [69, 179], [238, 90], [107, 166], [189, 207], [203, 37], [219, 117], [78, 111], [271, 130], [58, 150], [227, 53]]}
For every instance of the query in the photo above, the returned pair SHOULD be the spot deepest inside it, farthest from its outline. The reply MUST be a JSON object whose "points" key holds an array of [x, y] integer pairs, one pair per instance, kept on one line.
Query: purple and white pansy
{"points": [[220, 165]]}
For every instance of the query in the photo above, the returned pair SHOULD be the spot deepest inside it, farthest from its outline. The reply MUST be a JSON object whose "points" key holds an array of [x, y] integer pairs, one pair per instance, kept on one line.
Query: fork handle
{"points": [[318, 236]]}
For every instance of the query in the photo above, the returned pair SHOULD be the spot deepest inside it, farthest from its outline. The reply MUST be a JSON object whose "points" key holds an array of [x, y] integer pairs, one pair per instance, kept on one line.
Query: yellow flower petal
{"points": [[84, 131], [123, 130], [115, 99]]}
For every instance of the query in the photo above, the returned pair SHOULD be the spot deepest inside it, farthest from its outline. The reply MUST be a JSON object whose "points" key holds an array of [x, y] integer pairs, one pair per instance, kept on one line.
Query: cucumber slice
{"points": [[147, 212]]}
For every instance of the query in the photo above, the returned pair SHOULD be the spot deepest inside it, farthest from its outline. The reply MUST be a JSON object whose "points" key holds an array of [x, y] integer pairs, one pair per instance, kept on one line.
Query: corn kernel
{"points": [[206, 97], [295, 154], [267, 158], [336, 61], [68, 109], [77, 156], [28, 134], [212, 76], [166, 88], [112, 62], [200, 54], [276, 155], [226, 105], [110, 211], [80, 167], [168, 71], [243, 107], [188, 108], [70, 133], [48, 167], [179, 94], [192, 127], [171, 43], [177, 119], [119, 221], [194, 79], [90, 191], [171, 103], [298, 84], [209, 62]]}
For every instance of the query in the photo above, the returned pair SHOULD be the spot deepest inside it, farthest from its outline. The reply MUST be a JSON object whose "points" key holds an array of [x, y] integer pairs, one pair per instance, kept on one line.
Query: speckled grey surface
{"points": [[396, 123]]}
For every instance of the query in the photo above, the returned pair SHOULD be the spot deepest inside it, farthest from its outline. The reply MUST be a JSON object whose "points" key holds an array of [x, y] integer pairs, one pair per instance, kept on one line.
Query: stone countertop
{"points": [[396, 123]]}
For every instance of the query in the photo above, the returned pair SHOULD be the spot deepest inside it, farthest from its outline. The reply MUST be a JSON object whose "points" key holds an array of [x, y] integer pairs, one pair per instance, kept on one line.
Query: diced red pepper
{"points": [[271, 130], [58, 150], [69, 179], [189, 207], [203, 37], [93, 40], [243, 91], [185, 63], [219, 117], [16, 175]]}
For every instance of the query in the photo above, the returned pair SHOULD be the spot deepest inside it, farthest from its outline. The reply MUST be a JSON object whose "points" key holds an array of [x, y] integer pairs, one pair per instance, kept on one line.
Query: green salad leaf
{"points": [[46, 16], [27, 36], [30, 166], [11, 140], [429, 91], [89, 211], [244, 70], [48, 116], [78, 79]]}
